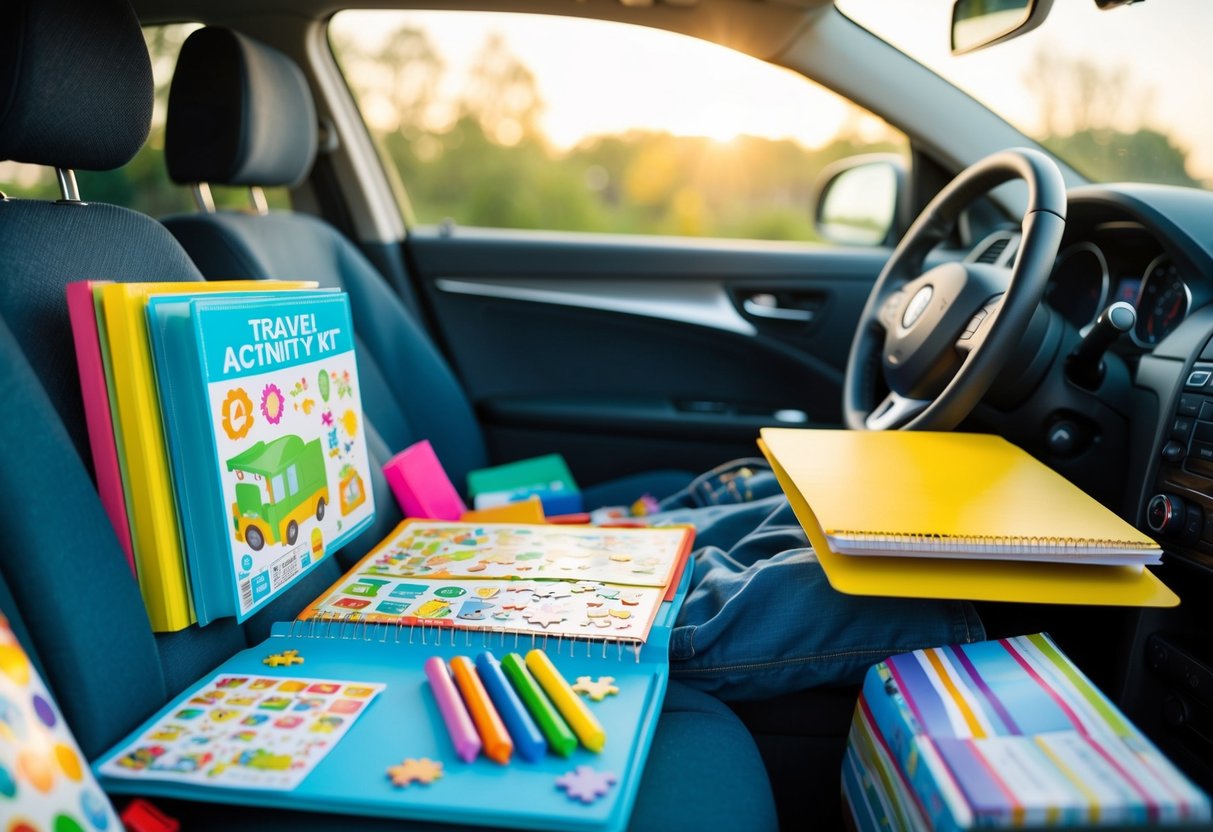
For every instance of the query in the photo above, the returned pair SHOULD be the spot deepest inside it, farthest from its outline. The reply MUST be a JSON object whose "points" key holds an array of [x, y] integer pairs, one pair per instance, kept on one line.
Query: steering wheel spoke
{"points": [[895, 411]]}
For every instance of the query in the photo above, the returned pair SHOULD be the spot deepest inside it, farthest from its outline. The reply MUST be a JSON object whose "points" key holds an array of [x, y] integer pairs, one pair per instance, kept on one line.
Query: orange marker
{"points": [[497, 743]]}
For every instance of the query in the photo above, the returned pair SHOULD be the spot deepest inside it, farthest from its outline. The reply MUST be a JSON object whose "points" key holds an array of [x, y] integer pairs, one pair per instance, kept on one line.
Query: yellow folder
{"points": [[155, 535], [913, 483]]}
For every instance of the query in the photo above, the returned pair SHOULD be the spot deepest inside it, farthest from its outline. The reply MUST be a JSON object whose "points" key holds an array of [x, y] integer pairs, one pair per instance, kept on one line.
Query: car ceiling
{"points": [[762, 28]]}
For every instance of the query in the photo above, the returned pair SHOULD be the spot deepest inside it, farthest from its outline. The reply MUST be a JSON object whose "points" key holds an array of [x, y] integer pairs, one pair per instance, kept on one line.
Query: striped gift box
{"points": [[1003, 734]]}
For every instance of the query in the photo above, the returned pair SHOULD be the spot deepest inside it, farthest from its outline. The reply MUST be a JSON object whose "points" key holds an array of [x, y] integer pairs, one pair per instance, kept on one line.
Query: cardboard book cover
{"points": [[1004, 734], [270, 466]]}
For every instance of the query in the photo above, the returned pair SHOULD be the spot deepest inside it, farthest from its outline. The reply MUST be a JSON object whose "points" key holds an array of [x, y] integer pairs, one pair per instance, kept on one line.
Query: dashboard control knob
{"points": [[1173, 451], [1166, 514]]}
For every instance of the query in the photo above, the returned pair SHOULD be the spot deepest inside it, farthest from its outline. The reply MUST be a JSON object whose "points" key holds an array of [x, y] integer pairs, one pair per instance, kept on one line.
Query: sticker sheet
{"points": [[576, 609], [246, 732], [45, 782], [637, 557]]}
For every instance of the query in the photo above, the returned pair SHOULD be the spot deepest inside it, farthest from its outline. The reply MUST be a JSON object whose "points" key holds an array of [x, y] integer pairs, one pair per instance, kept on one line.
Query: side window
{"points": [[520, 121], [143, 183]]}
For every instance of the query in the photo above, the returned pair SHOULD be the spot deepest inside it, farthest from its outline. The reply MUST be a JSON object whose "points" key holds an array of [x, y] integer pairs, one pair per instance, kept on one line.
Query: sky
{"points": [[597, 77]]}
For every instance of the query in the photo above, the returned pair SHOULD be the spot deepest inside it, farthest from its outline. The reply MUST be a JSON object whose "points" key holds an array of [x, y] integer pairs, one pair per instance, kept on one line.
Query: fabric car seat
{"points": [[76, 92], [240, 113]]}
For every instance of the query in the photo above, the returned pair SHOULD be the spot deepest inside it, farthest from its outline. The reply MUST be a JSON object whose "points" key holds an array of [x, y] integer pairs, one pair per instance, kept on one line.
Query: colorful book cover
{"points": [[1009, 733], [155, 534], [537, 580], [98, 417], [547, 477], [262, 395], [399, 758], [45, 782]]}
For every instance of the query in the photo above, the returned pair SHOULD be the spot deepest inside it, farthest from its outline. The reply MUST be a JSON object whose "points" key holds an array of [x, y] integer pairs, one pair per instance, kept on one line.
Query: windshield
{"points": [[1124, 94]]}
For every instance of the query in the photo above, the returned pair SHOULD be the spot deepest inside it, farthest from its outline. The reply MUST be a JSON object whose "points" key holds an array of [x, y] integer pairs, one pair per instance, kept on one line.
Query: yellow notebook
{"points": [[155, 535], [940, 496]]}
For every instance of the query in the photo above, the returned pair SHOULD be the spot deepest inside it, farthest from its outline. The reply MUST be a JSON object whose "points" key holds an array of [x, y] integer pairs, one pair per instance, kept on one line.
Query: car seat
{"points": [[240, 113], [77, 93]]}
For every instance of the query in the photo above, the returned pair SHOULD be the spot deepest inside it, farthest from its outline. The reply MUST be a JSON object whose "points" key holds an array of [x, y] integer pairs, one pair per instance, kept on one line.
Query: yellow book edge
{"points": [[975, 580]]}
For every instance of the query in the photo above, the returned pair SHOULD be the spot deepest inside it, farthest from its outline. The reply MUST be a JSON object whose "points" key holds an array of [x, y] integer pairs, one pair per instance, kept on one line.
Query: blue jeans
{"points": [[761, 618]]}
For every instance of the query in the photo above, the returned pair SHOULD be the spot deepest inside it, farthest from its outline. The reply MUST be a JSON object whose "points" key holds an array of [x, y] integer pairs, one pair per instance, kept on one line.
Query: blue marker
{"points": [[528, 742]]}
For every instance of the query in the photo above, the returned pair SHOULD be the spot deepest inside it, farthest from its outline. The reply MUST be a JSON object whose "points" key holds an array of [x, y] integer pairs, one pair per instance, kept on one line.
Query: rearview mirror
{"points": [[857, 199], [980, 23]]}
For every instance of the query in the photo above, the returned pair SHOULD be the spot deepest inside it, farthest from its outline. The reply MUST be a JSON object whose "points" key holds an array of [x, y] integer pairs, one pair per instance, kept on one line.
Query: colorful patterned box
{"points": [[1002, 734]]}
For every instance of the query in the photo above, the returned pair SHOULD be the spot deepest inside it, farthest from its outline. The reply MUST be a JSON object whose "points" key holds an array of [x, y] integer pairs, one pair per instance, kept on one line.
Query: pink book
{"points": [[421, 485], [82, 312]]}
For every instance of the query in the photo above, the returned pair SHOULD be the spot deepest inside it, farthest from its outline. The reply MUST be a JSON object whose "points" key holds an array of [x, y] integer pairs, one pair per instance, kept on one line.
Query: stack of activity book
{"points": [[564, 627], [227, 435]]}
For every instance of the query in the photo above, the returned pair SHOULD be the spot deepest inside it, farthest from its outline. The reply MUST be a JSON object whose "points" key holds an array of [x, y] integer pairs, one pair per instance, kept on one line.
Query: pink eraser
{"points": [[421, 485]]}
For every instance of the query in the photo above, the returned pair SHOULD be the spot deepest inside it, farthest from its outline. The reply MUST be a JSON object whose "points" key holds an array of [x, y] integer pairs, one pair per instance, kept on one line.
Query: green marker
{"points": [[560, 738]]}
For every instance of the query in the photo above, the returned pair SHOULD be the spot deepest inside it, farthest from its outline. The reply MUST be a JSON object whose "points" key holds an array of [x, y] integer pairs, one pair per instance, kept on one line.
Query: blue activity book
{"points": [[338, 716], [260, 399]]}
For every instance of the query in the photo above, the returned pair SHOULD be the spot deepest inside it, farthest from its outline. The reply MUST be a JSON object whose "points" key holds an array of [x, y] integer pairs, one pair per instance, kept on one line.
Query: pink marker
{"points": [[454, 713]]}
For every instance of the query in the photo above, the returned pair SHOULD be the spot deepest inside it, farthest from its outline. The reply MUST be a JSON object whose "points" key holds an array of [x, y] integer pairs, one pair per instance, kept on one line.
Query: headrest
{"points": [[75, 83], [239, 113]]}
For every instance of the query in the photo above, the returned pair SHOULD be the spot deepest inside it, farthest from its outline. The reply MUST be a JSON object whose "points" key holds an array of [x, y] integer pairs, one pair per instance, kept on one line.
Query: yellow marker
{"points": [[570, 705]]}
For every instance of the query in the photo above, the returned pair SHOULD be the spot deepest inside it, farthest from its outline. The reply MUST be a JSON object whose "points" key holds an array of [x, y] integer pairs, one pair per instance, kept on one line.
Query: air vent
{"points": [[996, 250], [993, 250]]}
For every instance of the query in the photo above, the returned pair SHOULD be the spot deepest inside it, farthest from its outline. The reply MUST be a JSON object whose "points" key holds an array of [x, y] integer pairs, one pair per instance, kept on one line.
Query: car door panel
{"points": [[629, 352]]}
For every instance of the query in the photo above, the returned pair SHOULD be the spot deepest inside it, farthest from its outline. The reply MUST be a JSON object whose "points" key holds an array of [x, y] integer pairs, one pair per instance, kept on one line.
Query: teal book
{"points": [[260, 399], [339, 716], [547, 477]]}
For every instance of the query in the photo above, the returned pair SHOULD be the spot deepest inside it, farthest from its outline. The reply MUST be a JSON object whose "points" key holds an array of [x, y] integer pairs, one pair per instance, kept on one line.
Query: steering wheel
{"points": [[938, 339]]}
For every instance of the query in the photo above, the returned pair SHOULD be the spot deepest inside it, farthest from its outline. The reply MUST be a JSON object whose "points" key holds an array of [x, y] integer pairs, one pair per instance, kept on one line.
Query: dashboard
{"points": [[1121, 261]]}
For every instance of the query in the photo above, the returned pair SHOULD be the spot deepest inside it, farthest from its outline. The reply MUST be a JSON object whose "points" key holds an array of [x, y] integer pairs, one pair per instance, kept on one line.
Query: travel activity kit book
{"points": [[264, 728], [178, 452]]}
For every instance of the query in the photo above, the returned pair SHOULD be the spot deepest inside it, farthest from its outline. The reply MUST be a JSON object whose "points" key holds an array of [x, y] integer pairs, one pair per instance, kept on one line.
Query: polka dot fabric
{"points": [[45, 782]]}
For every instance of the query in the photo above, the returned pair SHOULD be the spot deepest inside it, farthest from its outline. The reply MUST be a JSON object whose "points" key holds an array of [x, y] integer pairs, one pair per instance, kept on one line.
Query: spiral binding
{"points": [[933, 542], [355, 627]]}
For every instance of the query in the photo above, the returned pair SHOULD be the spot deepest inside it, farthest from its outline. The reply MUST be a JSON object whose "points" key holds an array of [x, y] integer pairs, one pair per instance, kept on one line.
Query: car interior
{"points": [[644, 359]]}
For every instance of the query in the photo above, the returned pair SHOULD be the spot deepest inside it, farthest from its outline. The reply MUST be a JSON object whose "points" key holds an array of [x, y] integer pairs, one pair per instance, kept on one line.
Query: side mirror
{"points": [[858, 199], [980, 23]]}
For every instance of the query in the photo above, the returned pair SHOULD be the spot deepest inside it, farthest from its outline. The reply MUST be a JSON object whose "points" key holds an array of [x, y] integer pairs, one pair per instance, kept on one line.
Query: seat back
{"points": [[240, 113], [78, 94]]}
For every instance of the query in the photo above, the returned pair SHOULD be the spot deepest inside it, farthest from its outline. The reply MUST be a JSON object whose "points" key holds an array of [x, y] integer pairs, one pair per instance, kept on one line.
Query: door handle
{"points": [[766, 305]]}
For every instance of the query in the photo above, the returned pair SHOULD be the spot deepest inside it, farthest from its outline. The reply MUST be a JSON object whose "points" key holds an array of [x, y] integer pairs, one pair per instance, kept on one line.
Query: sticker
{"points": [[545, 618], [236, 414], [273, 403], [450, 592]]}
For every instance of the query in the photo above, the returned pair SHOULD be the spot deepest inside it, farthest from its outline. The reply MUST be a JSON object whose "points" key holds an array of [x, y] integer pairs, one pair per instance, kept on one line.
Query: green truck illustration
{"points": [[281, 484]]}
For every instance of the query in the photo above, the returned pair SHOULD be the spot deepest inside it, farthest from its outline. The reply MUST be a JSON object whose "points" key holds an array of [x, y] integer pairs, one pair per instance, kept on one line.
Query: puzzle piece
{"points": [[544, 618], [585, 784], [597, 689], [585, 586], [284, 659], [412, 771]]}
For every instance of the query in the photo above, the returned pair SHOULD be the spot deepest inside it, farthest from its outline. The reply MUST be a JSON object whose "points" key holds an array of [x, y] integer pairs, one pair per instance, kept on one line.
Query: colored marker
{"points": [[583, 723], [528, 741], [560, 738], [497, 743], [454, 714]]}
